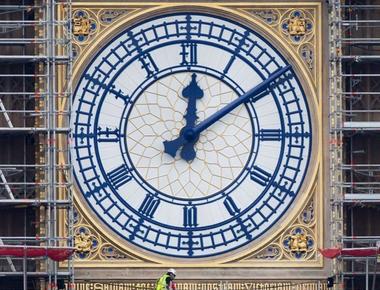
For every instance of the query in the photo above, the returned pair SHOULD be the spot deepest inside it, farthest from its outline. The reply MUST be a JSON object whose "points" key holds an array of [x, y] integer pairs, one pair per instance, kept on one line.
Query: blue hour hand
{"points": [[192, 92]]}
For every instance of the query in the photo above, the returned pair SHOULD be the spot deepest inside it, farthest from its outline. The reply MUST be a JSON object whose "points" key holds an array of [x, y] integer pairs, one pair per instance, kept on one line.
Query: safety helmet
{"points": [[172, 271]]}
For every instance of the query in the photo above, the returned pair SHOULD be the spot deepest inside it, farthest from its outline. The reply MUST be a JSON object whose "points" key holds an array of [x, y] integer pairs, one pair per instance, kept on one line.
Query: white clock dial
{"points": [[163, 155]]}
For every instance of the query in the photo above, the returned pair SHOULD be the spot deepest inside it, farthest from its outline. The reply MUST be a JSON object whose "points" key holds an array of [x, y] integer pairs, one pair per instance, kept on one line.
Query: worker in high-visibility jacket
{"points": [[166, 281]]}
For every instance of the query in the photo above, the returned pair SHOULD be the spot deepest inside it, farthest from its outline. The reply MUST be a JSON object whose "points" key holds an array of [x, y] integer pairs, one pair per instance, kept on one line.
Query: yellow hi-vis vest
{"points": [[161, 283]]}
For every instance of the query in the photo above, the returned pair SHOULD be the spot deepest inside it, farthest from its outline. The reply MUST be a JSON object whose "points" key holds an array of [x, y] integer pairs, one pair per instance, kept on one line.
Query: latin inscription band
{"points": [[212, 285]]}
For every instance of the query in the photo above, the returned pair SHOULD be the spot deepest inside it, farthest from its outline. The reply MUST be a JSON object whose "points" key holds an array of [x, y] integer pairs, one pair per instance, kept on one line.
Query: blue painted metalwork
{"points": [[108, 183], [192, 92], [190, 133]]}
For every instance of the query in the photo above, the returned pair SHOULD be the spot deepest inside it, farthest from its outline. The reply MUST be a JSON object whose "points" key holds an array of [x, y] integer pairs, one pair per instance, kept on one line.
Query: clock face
{"points": [[140, 166]]}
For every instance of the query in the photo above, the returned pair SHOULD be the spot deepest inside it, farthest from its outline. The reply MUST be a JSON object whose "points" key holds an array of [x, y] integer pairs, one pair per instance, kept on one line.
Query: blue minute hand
{"points": [[191, 134], [254, 92]]}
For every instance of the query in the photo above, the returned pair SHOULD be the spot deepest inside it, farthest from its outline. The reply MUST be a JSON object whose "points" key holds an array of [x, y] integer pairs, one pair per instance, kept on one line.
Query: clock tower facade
{"points": [[198, 144]]}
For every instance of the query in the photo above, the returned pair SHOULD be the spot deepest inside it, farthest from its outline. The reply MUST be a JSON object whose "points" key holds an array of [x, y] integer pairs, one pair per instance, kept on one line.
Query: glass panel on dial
{"points": [[222, 151]]}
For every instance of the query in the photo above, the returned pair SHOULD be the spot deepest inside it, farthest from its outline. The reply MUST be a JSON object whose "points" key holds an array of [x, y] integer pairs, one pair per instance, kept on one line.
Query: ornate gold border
{"points": [[313, 186]]}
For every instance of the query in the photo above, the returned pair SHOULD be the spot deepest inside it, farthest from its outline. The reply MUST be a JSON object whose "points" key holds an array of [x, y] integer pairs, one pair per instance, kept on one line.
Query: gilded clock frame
{"points": [[270, 18]]}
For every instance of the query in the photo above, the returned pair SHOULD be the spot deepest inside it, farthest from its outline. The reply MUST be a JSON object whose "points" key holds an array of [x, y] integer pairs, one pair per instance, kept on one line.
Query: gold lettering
{"points": [[206, 285]]}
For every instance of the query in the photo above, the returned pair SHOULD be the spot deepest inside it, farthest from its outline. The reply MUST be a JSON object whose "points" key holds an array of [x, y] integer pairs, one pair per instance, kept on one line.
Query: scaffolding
{"points": [[35, 169], [354, 115]]}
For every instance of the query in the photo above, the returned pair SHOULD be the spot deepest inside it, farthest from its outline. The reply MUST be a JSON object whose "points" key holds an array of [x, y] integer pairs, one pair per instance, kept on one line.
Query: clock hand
{"points": [[191, 134], [192, 92], [256, 93]]}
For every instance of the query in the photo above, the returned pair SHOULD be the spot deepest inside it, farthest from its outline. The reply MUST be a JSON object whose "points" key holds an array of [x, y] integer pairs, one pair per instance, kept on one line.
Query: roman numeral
{"points": [[260, 175], [241, 43], [270, 135], [190, 216], [149, 205], [231, 206], [146, 60], [148, 64], [189, 53], [119, 176], [108, 135]]}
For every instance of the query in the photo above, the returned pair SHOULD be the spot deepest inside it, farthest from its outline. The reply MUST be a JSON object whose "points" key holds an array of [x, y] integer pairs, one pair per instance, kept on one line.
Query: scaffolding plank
{"points": [[34, 202], [362, 197], [374, 125]]}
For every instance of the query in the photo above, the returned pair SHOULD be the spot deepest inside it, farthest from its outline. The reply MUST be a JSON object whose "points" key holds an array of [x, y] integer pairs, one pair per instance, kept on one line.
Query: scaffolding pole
{"points": [[35, 108], [354, 118]]}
